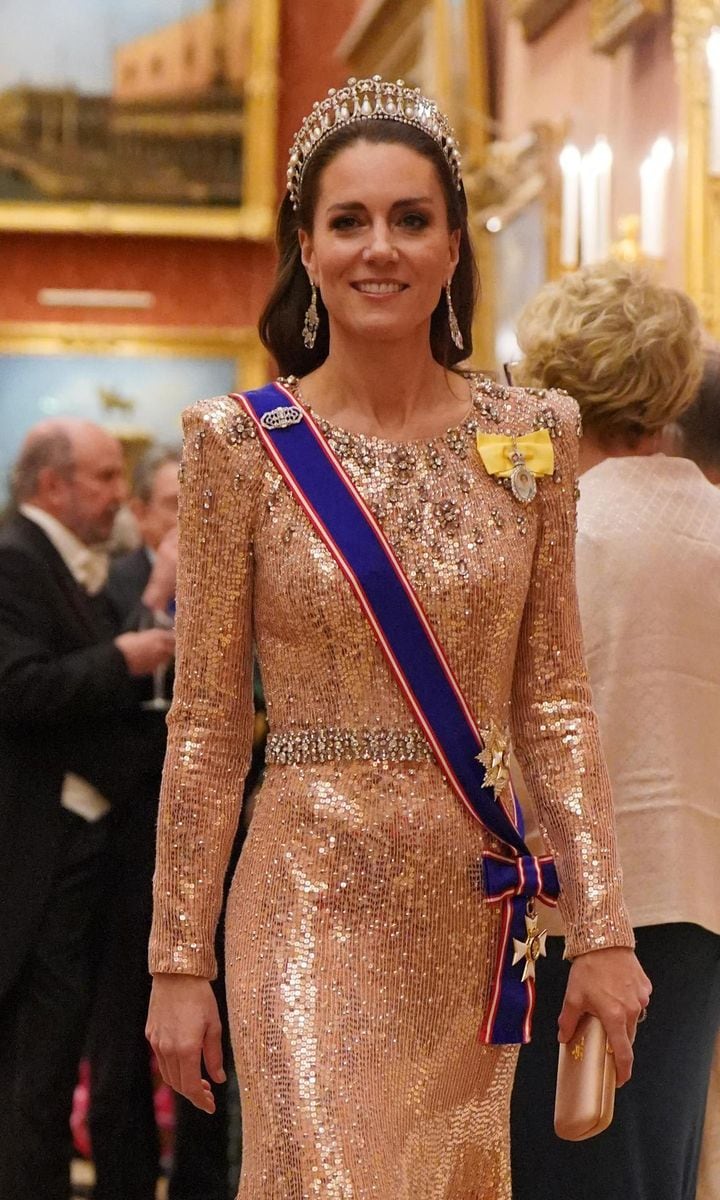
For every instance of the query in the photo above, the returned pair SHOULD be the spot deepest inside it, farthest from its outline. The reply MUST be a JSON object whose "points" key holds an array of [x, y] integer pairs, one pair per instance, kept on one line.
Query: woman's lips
{"points": [[379, 287]]}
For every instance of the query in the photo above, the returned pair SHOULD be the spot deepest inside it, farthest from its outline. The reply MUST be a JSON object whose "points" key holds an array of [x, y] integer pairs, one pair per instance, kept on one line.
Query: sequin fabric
{"points": [[359, 948]]}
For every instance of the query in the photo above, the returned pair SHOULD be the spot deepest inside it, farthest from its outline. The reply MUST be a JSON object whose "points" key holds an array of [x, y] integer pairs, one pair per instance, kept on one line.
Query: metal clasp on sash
{"points": [[282, 417]]}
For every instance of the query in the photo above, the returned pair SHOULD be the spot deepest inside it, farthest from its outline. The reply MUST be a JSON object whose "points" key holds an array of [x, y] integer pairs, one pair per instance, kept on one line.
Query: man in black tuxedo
{"points": [[68, 740]]}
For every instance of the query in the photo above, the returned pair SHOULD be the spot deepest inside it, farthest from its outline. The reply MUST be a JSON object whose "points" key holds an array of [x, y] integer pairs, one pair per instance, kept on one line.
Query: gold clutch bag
{"points": [[585, 1094]]}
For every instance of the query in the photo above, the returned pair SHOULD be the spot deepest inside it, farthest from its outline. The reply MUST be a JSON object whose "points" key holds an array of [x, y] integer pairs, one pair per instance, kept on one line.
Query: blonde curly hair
{"points": [[627, 348]]}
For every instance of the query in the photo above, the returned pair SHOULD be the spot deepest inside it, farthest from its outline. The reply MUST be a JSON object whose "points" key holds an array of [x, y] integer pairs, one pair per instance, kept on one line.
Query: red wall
{"points": [[195, 282]]}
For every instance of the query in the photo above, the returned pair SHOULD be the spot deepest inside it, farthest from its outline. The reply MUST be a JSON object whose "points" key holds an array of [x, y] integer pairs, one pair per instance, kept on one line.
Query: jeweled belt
{"points": [[298, 747]]}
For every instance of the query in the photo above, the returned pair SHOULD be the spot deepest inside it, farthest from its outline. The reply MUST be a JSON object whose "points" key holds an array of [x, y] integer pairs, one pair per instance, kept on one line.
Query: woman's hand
{"points": [[183, 1027], [611, 984]]}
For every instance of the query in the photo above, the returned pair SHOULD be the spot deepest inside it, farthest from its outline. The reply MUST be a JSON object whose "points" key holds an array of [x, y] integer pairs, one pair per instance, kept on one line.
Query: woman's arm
{"points": [[557, 743], [209, 739]]}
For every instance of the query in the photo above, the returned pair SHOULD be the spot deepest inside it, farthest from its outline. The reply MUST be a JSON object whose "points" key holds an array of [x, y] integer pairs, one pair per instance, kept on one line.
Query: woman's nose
{"points": [[380, 245]]}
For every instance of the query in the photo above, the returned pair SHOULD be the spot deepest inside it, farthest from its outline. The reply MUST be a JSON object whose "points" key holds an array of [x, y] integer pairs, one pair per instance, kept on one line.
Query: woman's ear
{"points": [[454, 250], [307, 253]]}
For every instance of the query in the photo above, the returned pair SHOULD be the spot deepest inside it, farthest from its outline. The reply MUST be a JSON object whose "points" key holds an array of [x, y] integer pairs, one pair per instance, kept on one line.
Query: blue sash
{"points": [[340, 516]]}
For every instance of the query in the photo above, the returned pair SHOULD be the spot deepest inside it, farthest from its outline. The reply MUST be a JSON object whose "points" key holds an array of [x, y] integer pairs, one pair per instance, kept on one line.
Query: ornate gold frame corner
{"points": [[693, 21], [252, 219], [63, 338], [612, 22], [536, 16]]}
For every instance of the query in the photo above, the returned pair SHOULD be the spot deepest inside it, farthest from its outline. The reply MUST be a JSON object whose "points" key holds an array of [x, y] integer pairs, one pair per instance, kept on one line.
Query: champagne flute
{"points": [[157, 619]]}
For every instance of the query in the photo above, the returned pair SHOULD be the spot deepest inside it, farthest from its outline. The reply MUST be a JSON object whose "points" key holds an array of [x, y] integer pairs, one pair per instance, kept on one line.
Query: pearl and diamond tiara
{"points": [[369, 100]]}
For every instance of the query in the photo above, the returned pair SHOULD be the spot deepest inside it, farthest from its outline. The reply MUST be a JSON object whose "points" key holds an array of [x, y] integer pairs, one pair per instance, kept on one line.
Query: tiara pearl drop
{"points": [[369, 100]]}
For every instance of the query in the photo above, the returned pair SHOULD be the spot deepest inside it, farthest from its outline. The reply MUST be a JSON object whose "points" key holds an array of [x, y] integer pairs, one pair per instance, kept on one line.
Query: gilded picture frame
{"points": [[692, 26], [536, 16], [615, 21], [133, 380], [191, 120]]}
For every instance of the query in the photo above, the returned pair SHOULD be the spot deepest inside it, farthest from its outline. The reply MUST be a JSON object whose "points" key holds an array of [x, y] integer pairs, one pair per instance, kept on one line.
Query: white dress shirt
{"points": [[88, 566]]}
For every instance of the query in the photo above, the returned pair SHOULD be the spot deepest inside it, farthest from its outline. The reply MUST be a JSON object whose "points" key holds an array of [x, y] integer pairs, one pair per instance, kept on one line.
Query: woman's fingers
{"points": [[620, 1041], [181, 1071], [212, 1052], [192, 1085], [183, 1024], [180, 1068], [570, 1014], [611, 984]]}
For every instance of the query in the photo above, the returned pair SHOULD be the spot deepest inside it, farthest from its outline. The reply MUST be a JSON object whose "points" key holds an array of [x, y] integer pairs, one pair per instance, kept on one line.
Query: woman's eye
{"points": [[414, 221], [343, 223]]}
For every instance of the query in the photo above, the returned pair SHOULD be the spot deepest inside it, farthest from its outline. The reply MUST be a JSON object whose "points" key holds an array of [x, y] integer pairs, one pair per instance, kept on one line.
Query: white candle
{"points": [[588, 210], [654, 173], [570, 162], [649, 236], [602, 155], [713, 57]]}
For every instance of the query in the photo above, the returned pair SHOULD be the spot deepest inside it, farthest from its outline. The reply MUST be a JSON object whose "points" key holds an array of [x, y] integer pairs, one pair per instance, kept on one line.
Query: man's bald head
{"points": [[72, 469]]}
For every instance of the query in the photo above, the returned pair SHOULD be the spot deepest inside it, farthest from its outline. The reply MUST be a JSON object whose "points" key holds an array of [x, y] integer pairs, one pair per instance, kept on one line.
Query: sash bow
{"points": [[515, 883], [527, 875], [536, 448]]}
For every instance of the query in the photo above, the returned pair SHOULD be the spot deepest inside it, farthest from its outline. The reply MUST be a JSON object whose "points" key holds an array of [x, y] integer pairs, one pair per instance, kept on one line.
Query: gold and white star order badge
{"points": [[532, 949], [495, 757]]}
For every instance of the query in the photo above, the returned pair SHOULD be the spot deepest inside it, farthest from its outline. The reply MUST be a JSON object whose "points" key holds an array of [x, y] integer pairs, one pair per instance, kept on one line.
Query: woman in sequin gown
{"points": [[359, 947]]}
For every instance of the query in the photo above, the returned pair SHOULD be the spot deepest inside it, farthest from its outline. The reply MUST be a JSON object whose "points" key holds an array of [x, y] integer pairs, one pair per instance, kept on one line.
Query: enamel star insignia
{"points": [[531, 949], [494, 757]]}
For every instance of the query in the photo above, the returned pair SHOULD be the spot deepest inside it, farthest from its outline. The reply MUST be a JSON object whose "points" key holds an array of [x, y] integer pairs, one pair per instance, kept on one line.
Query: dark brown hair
{"points": [[700, 423], [282, 318]]}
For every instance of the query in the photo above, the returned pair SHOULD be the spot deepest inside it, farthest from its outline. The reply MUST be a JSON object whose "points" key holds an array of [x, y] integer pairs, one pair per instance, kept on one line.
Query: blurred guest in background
{"points": [[699, 425], [153, 504], [123, 1129], [699, 428], [67, 703], [648, 568]]}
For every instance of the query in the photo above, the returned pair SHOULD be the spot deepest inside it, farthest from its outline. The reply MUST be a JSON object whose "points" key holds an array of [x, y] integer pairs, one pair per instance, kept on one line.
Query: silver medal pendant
{"points": [[522, 480]]}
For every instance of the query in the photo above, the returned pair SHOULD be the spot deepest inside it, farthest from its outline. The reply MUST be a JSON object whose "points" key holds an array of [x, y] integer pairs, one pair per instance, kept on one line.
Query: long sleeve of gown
{"points": [[211, 719], [555, 729]]}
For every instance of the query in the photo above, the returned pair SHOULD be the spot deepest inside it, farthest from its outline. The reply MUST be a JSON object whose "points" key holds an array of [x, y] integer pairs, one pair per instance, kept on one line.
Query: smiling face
{"points": [[380, 250]]}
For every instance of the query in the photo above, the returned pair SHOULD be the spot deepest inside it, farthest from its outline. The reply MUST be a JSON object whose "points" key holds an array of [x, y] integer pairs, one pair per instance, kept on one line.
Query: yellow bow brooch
{"points": [[520, 460]]}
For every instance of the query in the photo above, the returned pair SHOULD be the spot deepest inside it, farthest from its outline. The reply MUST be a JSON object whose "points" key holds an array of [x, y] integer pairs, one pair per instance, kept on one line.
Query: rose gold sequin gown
{"points": [[359, 948]]}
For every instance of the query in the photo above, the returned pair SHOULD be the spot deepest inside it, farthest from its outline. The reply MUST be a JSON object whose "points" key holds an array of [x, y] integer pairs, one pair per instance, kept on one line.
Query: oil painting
{"points": [[142, 108]]}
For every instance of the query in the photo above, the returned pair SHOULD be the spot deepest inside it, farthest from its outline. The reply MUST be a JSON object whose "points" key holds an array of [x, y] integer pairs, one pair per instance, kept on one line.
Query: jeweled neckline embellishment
{"points": [[453, 436]]}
